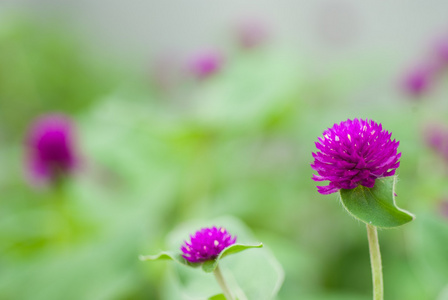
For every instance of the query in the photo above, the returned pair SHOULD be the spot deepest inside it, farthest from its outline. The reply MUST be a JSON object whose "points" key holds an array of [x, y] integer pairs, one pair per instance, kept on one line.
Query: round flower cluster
{"points": [[419, 80], [51, 148], [354, 153], [206, 244], [206, 63]]}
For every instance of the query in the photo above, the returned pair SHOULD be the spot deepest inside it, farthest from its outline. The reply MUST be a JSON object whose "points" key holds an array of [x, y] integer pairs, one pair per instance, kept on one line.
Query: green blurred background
{"points": [[160, 148]]}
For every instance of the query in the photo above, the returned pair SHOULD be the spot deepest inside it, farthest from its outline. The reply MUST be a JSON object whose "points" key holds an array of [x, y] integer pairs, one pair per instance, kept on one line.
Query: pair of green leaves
{"points": [[208, 266], [376, 206]]}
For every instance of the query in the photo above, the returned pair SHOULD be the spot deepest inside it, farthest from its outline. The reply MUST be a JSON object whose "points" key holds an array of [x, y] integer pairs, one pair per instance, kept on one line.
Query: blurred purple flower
{"points": [[354, 153], [50, 148], [435, 137], [418, 80], [206, 244], [251, 33], [206, 63], [441, 52]]}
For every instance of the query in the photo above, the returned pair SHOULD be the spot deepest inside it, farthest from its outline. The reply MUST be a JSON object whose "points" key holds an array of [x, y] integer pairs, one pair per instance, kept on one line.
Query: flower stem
{"points": [[222, 283], [375, 262]]}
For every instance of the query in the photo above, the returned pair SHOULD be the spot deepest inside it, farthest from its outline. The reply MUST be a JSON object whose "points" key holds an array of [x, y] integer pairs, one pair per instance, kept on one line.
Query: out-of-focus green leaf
{"points": [[169, 255], [375, 206], [218, 297], [428, 252], [44, 68]]}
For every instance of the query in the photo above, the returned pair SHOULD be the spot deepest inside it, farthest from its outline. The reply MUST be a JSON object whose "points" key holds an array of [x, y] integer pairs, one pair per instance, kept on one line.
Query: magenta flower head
{"points": [[206, 63], [51, 148], [354, 153], [206, 244], [417, 81]]}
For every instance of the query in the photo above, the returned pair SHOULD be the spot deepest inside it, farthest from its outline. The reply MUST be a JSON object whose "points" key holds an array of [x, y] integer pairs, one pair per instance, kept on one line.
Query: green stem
{"points": [[222, 283], [375, 262]]}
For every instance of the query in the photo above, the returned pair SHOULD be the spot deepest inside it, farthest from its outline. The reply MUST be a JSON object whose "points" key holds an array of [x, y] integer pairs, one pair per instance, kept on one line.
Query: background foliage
{"points": [[237, 144]]}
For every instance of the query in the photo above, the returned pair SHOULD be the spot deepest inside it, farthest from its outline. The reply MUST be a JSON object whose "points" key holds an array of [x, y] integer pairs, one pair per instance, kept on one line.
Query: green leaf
{"points": [[218, 297], [210, 266], [169, 255], [375, 206]]}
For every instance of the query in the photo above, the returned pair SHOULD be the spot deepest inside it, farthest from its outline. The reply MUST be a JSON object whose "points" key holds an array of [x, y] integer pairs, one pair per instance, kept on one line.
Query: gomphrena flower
{"points": [[50, 148], [354, 153], [206, 63], [418, 81], [206, 244]]}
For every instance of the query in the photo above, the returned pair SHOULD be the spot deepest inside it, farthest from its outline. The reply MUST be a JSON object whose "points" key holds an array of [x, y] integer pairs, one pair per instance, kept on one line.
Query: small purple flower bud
{"points": [[50, 148], [441, 52], [206, 63], [418, 80], [251, 33], [354, 153], [435, 137], [206, 244]]}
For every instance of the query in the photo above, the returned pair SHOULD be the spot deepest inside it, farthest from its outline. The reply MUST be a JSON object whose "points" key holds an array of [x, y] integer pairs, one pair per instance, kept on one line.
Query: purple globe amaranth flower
{"points": [[417, 81], [354, 153], [206, 63], [51, 148], [206, 244]]}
